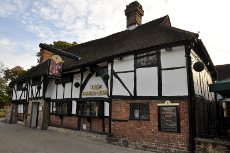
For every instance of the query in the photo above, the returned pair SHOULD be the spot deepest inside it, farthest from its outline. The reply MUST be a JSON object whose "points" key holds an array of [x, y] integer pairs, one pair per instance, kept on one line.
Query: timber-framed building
{"points": [[136, 85]]}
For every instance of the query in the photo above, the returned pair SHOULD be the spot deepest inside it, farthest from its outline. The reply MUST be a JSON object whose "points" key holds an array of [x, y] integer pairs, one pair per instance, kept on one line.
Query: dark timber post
{"points": [[191, 103]]}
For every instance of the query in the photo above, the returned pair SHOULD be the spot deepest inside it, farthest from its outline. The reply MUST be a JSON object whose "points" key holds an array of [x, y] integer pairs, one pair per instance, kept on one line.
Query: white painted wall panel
{"points": [[106, 109], [51, 90], [174, 82], [14, 93], [125, 64], [128, 80], [118, 88], [68, 87], [76, 91], [174, 58], [74, 107], [147, 81], [95, 80], [60, 91], [41, 91]]}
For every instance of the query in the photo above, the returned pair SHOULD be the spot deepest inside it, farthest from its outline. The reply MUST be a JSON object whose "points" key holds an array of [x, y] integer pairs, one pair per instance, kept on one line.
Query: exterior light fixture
{"points": [[198, 66], [76, 84]]}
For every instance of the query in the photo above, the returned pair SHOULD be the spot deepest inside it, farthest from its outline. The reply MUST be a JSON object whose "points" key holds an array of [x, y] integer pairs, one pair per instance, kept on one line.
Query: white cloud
{"points": [[11, 56], [12, 7], [85, 20]]}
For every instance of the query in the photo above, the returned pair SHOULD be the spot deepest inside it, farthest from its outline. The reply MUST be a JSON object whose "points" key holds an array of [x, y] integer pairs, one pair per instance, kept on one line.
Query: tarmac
{"points": [[18, 139]]}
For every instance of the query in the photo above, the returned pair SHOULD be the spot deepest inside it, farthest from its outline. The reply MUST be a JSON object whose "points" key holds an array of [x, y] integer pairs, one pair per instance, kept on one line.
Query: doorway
{"points": [[34, 117]]}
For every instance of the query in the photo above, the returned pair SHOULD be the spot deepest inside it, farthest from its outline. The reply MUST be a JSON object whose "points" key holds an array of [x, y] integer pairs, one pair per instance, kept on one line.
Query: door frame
{"points": [[32, 114]]}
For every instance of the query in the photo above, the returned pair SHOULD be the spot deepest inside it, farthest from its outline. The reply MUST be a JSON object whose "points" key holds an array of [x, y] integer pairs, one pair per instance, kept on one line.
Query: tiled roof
{"points": [[156, 33], [38, 70], [223, 71], [151, 34]]}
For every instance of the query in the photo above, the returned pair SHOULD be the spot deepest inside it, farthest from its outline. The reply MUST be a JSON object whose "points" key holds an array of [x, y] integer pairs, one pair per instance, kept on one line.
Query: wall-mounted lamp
{"points": [[198, 66], [76, 84]]}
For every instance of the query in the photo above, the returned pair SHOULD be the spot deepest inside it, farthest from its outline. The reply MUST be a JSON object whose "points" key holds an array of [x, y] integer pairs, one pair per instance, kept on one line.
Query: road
{"points": [[17, 139]]}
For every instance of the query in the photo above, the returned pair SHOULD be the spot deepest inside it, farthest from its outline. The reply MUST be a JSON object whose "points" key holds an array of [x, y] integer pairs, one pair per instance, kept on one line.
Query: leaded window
{"points": [[90, 108], [146, 59], [62, 107], [139, 111]]}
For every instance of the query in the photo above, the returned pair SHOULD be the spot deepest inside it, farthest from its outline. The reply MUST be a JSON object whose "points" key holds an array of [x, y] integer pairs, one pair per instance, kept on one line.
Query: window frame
{"points": [[60, 106], [84, 108], [145, 55], [131, 115]]}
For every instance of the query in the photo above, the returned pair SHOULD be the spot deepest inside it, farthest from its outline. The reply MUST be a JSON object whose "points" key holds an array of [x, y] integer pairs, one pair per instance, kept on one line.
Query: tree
{"points": [[60, 45], [7, 75], [14, 73], [3, 86]]}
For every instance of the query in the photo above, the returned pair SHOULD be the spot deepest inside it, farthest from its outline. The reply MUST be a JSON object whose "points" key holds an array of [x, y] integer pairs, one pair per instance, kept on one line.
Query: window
{"points": [[139, 111], [146, 59], [64, 108], [90, 108], [19, 86]]}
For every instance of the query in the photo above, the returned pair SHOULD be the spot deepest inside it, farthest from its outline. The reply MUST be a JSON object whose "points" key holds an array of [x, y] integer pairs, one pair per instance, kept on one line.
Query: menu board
{"points": [[168, 118]]}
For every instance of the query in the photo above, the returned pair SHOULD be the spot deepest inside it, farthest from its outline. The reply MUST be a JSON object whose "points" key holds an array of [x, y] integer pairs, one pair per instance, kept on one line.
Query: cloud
{"points": [[12, 7], [87, 20], [11, 56]]}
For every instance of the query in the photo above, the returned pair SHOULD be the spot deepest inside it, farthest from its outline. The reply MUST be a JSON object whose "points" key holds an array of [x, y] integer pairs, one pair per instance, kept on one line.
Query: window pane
{"points": [[139, 111], [146, 60], [134, 111], [144, 111]]}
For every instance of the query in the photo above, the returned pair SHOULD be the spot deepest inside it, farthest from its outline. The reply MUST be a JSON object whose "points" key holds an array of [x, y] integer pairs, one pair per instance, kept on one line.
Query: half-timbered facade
{"points": [[137, 85]]}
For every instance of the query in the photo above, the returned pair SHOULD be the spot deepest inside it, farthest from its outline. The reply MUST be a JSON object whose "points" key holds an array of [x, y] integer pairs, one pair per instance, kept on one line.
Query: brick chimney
{"points": [[45, 55], [134, 15]]}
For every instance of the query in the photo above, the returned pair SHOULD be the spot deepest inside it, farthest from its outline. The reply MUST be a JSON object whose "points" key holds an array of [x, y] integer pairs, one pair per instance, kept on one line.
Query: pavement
{"points": [[18, 139]]}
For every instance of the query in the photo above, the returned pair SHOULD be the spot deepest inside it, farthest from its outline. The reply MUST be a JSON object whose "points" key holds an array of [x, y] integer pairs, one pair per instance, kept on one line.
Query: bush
{"points": [[2, 113]]}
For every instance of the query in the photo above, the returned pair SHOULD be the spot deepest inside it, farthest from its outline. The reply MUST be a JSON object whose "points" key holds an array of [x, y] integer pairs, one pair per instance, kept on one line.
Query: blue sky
{"points": [[26, 23]]}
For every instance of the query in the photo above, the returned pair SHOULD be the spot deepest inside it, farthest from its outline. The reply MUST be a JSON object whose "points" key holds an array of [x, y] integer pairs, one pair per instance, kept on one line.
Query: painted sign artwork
{"points": [[56, 65]]}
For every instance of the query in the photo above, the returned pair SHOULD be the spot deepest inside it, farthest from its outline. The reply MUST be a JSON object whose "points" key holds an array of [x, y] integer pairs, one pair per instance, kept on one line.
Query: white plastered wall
{"points": [[147, 81], [51, 90], [95, 80], [76, 91], [174, 72], [123, 64]]}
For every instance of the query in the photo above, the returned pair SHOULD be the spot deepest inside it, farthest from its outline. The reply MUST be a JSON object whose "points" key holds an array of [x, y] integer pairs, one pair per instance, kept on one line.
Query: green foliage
{"points": [[63, 44], [2, 113], [58, 44], [14, 73], [7, 75]]}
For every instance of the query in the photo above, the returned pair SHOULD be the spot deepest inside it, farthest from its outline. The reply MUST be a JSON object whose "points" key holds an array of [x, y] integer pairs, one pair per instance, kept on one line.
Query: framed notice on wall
{"points": [[168, 118]]}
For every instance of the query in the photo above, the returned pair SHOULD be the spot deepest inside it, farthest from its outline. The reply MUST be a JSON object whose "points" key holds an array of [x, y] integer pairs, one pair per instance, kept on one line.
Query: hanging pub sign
{"points": [[56, 66], [168, 117]]}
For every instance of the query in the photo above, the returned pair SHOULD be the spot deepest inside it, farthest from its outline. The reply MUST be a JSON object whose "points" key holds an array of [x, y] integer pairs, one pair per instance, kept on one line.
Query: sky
{"points": [[26, 23]]}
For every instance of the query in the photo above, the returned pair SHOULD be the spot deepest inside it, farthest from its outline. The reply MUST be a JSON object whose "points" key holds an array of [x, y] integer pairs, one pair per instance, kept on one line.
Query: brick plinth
{"points": [[70, 122], [145, 134]]}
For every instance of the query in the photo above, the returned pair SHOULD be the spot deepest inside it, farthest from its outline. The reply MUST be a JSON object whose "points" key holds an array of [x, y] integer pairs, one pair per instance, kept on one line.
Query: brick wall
{"points": [[145, 134], [45, 115], [70, 122], [55, 120]]}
